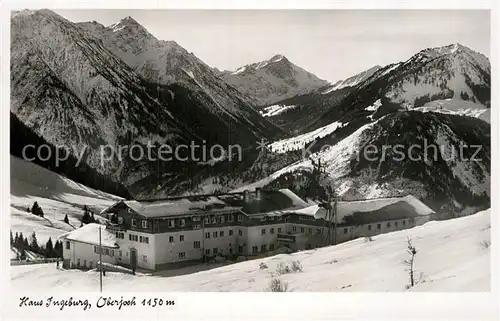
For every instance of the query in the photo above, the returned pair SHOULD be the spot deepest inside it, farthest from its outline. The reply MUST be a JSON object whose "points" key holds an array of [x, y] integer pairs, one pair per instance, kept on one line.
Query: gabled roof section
{"points": [[90, 234]]}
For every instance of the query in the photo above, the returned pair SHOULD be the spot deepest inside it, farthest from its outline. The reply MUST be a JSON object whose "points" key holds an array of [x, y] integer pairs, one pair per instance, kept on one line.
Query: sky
{"points": [[332, 44]]}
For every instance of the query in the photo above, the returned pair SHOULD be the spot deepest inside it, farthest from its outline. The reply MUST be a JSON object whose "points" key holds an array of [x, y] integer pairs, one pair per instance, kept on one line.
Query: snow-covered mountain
{"points": [[272, 80], [166, 62], [440, 174], [353, 80], [73, 88]]}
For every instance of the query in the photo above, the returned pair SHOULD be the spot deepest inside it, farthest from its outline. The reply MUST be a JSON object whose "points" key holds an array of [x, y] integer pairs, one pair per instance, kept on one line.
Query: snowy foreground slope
{"points": [[451, 257], [56, 194]]}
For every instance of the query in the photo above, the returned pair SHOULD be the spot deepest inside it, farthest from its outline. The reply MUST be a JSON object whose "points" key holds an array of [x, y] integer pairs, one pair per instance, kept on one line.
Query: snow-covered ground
{"points": [[452, 255], [298, 142], [57, 196], [457, 107], [274, 110]]}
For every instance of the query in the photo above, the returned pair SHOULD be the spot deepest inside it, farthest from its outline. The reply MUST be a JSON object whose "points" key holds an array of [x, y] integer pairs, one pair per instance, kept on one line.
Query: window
{"points": [[207, 235], [255, 249], [214, 250], [379, 226], [182, 222], [140, 239], [279, 229], [308, 246], [171, 223], [78, 262], [230, 232], [230, 218], [231, 250], [240, 217], [120, 253], [272, 230], [221, 233], [106, 251], [310, 230], [279, 218], [396, 223], [404, 222], [207, 220], [369, 227], [84, 263], [271, 247], [112, 253], [240, 249], [214, 220], [196, 244], [95, 248], [90, 264], [171, 239], [294, 229], [144, 224], [196, 219], [318, 231], [345, 231], [182, 255], [146, 240], [263, 248], [136, 238], [222, 218], [388, 224], [215, 234], [197, 227], [144, 258], [240, 232], [130, 237], [302, 230], [207, 252], [134, 223], [120, 220], [181, 238], [263, 231]]}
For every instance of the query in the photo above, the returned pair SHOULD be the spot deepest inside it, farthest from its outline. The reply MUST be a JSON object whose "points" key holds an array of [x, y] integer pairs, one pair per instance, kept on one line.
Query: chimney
{"points": [[258, 194], [246, 196]]}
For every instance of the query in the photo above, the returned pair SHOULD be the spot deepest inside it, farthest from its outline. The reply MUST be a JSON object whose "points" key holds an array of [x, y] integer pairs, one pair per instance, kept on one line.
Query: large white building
{"points": [[158, 234]]}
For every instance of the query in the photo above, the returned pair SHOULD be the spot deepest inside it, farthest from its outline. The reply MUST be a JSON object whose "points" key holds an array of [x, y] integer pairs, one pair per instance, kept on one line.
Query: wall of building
{"points": [[83, 255], [146, 257]]}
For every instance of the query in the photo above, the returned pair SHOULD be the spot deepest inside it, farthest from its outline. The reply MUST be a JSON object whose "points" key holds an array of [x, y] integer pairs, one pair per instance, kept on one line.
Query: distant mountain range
{"points": [[272, 80], [89, 85]]}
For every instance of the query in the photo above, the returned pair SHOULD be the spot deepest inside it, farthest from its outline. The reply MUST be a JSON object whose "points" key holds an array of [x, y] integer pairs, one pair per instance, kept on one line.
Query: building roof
{"points": [[89, 234], [384, 207], [270, 201]]}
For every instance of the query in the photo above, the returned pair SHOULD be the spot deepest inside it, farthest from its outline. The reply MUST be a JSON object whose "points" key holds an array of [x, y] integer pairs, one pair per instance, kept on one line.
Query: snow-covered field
{"points": [[457, 107], [452, 255], [298, 142], [275, 110], [57, 196]]}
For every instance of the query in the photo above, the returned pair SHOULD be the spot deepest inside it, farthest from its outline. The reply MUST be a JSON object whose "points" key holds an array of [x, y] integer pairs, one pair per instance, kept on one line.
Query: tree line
{"points": [[22, 244]]}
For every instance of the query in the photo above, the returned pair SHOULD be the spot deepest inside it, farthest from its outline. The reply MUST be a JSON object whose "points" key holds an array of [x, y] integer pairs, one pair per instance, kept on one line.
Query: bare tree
{"points": [[410, 262]]}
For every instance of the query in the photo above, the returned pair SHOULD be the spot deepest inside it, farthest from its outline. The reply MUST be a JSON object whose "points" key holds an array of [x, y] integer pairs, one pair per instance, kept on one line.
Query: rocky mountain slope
{"points": [[272, 80], [353, 80], [166, 62], [72, 90]]}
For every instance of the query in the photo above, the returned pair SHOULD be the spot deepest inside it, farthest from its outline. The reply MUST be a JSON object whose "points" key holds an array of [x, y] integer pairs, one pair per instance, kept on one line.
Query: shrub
{"points": [[277, 285], [296, 266], [485, 244]]}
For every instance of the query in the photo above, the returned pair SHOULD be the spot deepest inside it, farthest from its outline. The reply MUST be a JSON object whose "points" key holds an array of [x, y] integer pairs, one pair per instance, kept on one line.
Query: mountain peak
{"points": [[276, 58], [128, 23]]}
